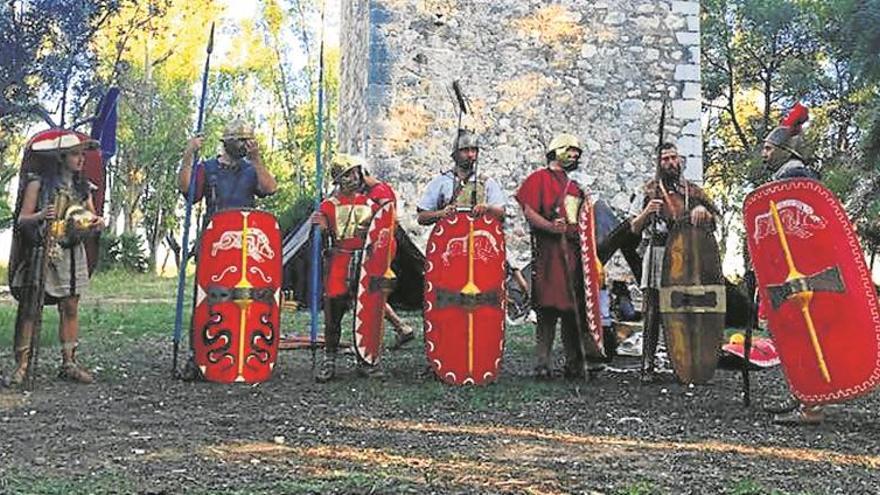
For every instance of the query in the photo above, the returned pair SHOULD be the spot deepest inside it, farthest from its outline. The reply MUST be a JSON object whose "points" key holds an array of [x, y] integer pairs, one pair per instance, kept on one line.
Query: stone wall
{"points": [[598, 69]]}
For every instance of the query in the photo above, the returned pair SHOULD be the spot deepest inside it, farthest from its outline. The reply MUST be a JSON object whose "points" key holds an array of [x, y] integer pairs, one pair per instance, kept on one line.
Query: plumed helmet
{"points": [[788, 134], [562, 142], [238, 129], [343, 162]]}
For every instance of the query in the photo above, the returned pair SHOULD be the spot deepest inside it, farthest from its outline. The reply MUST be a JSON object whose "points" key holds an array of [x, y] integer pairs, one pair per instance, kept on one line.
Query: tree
{"points": [[759, 57]]}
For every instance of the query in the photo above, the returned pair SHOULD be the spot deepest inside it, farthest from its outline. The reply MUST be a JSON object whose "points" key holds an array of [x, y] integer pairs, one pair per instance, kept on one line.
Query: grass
{"points": [[120, 309], [640, 488], [94, 484]]}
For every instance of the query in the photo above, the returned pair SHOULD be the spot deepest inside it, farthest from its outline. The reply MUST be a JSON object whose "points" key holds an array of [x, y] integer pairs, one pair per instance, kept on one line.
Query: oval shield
{"points": [[810, 267], [464, 299], [692, 302], [236, 319], [375, 281]]}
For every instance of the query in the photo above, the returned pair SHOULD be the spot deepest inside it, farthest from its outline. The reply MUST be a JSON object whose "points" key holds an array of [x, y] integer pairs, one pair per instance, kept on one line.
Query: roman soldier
{"points": [[233, 179], [666, 198], [54, 214], [459, 188], [782, 154], [782, 151], [551, 201], [346, 215]]}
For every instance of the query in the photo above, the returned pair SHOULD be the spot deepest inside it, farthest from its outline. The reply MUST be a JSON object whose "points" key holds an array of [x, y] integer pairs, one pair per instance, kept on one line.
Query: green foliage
{"points": [[640, 488], [32, 483], [124, 252], [758, 58]]}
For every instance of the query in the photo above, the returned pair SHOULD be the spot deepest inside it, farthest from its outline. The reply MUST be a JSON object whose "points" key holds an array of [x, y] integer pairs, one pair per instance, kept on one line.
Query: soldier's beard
{"points": [[569, 165], [777, 158], [348, 186], [465, 164], [235, 149], [670, 176]]}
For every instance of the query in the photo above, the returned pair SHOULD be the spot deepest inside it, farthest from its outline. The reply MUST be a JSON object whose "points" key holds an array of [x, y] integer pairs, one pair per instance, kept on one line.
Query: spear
{"points": [[652, 226], [190, 198], [315, 275]]}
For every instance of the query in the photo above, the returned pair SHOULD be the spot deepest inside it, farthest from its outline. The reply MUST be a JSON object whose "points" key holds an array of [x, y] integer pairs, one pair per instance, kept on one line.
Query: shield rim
{"points": [[428, 325], [678, 229], [855, 250], [592, 305], [276, 295], [363, 277]]}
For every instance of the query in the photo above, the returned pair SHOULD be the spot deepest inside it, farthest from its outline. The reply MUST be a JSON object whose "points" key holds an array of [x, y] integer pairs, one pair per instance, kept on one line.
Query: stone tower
{"points": [[596, 68]]}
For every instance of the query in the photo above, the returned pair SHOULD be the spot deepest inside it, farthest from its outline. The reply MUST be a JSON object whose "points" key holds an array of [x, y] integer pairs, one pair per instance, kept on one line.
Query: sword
{"points": [[802, 295]]}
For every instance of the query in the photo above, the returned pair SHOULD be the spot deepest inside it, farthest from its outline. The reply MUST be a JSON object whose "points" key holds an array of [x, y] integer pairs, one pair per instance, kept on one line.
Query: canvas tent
{"points": [[408, 264]]}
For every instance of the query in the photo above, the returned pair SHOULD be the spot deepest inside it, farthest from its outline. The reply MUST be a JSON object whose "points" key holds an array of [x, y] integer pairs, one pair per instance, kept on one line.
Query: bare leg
{"points": [[651, 333], [520, 280], [574, 359], [68, 333], [545, 331], [334, 310], [404, 332]]}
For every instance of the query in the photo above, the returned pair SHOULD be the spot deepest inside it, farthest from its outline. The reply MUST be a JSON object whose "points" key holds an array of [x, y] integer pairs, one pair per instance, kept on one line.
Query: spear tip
{"points": [[211, 39]]}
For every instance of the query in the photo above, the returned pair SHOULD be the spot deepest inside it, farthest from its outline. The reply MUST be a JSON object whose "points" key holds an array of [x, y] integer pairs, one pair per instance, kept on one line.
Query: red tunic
{"points": [[381, 193], [543, 192], [348, 218]]}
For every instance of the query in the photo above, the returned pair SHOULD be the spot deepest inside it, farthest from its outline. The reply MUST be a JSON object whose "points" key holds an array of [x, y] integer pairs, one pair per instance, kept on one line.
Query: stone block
{"points": [[693, 23], [687, 72], [688, 38], [692, 129], [690, 146], [686, 8], [691, 91], [686, 109]]}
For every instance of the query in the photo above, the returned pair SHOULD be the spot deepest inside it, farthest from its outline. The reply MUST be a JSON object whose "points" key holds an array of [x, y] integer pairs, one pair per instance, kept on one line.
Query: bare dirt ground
{"points": [[137, 430]]}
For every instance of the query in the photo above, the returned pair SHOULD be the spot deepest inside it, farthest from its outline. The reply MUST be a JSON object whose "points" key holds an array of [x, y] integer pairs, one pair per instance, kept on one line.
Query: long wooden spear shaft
{"points": [[652, 229], [190, 198], [470, 288], [315, 278]]}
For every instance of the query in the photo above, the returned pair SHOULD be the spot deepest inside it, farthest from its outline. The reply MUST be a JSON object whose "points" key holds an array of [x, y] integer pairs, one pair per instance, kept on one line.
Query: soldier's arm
{"points": [[431, 199], [538, 222], [265, 180], [496, 199], [430, 217], [705, 213], [319, 219], [186, 163], [637, 224]]}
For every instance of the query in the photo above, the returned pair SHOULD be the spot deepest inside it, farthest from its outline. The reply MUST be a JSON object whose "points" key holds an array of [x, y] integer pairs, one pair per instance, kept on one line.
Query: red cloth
{"points": [[542, 191], [348, 218], [382, 193]]}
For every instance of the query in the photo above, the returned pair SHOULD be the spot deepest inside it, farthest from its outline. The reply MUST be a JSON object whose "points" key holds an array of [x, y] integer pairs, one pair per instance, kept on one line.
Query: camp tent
{"points": [[408, 264]]}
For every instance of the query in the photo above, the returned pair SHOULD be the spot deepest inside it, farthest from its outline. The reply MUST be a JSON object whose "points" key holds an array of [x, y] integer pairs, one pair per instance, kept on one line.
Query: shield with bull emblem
{"points": [[374, 282], [693, 301], [236, 319], [464, 299], [822, 306]]}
